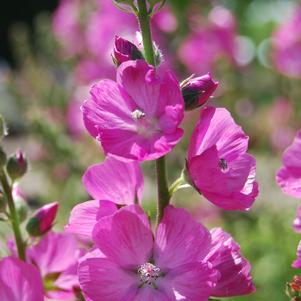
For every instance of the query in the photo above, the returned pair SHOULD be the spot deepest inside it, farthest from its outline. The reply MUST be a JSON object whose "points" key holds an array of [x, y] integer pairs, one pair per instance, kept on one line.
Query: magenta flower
{"points": [[197, 90], [224, 255], [19, 281], [56, 256], [218, 165], [297, 220], [288, 176], [138, 117], [42, 220], [287, 46], [130, 264], [297, 263], [116, 181], [210, 42]]}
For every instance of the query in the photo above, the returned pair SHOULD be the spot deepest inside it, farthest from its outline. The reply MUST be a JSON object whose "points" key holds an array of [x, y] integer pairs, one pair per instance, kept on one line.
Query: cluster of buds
{"points": [[293, 289]]}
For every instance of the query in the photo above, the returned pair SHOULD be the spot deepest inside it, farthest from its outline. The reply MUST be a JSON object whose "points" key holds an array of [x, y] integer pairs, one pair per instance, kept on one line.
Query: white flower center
{"points": [[148, 273], [138, 114], [223, 164]]}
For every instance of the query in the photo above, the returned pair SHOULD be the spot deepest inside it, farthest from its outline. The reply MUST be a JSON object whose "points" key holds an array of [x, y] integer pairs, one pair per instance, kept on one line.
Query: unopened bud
{"points": [[197, 90], [124, 51], [3, 157], [20, 203], [293, 289], [42, 220], [17, 165]]}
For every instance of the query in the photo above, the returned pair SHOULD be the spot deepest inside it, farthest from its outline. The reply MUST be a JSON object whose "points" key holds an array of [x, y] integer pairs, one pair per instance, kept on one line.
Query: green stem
{"points": [[144, 22], [14, 217]]}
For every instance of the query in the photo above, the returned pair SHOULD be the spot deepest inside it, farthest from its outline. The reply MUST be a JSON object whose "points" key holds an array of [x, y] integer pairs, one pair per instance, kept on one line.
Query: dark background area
{"points": [[20, 11]]}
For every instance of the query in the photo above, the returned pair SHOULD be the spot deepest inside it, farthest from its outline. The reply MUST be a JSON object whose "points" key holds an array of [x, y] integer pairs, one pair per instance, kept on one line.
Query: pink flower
{"points": [[19, 281], [297, 263], [197, 90], [297, 220], [218, 165], [224, 255], [287, 46], [209, 42], [43, 219], [288, 176], [114, 180], [138, 117], [67, 27], [130, 264], [56, 256]]}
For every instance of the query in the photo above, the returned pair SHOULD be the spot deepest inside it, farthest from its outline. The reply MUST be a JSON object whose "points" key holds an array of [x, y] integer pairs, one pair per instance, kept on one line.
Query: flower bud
{"points": [[197, 90], [20, 203], [42, 221], [17, 165], [3, 157], [293, 289], [124, 51]]}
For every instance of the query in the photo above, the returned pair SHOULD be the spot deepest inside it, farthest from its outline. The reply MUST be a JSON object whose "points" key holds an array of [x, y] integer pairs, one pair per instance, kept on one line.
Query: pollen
{"points": [[149, 273], [138, 114]]}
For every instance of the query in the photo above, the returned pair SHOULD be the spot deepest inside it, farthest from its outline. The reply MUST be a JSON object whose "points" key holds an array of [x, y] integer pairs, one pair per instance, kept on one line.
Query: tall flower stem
{"points": [[144, 22], [14, 217]]}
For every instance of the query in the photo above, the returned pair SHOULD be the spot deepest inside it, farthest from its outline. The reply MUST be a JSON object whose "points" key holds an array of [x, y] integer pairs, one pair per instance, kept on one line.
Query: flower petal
{"points": [[217, 127], [232, 189], [297, 263], [116, 181], [193, 281], [125, 237], [224, 255], [179, 239], [103, 280], [54, 253], [19, 281]]}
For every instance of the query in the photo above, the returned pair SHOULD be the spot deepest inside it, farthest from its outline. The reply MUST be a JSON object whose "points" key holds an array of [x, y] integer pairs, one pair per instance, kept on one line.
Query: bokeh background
{"points": [[51, 52]]}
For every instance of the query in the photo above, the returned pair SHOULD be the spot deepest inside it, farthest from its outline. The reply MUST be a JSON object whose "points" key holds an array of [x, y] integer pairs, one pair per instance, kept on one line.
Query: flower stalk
{"points": [[144, 23], [7, 189]]}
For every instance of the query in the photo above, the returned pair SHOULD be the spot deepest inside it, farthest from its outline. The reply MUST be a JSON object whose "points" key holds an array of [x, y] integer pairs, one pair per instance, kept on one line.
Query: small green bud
{"points": [[3, 157], [17, 165]]}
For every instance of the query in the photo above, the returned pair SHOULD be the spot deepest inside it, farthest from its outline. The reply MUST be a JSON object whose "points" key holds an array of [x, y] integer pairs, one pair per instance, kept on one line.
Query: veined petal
{"points": [[125, 237], [179, 239], [19, 281], [113, 180]]}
